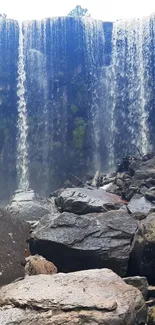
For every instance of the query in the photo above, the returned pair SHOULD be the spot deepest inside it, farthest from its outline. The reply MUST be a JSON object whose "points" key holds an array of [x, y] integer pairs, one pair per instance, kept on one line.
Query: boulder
{"points": [[151, 316], [36, 264], [150, 194], [142, 259], [140, 283], [84, 200], [13, 236], [78, 242], [89, 297], [139, 204], [145, 173], [30, 207], [151, 291], [145, 169]]}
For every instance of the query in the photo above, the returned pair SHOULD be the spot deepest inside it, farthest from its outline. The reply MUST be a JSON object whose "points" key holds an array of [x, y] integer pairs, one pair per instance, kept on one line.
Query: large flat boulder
{"points": [[142, 260], [84, 200], [78, 242], [87, 297], [29, 206], [13, 236]]}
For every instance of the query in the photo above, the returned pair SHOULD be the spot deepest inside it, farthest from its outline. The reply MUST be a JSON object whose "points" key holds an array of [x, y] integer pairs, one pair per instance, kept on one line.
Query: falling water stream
{"points": [[130, 87], [22, 145]]}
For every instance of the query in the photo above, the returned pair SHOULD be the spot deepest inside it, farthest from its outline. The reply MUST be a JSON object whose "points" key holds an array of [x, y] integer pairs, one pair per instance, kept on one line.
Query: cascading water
{"points": [[94, 58], [131, 87], [36, 62], [22, 145], [89, 97]]}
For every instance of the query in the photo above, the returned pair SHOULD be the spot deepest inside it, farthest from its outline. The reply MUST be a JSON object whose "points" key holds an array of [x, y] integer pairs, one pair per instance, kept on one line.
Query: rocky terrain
{"points": [[100, 237]]}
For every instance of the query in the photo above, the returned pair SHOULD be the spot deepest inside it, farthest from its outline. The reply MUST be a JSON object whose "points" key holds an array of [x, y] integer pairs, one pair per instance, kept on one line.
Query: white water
{"points": [[22, 146], [94, 38], [131, 83]]}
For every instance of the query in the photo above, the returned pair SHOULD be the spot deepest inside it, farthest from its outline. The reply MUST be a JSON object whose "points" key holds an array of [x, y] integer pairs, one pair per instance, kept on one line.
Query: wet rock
{"points": [[150, 182], [36, 264], [150, 194], [145, 173], [139, 216], [13, 236], [84, 200], [139, 204], [78, 242], [119, 183], [140, 283], [151, 292], [92, 297], [30, 207], [142, 259]]}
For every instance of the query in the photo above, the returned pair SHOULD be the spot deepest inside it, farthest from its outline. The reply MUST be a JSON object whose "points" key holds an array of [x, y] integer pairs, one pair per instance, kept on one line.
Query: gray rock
{"points": [[142, 258], [140, 283], [151, 291], [119, 182], [145, 173], [30, 207], [83, 200], [139, 216], [95, 240], [150, 194], [87, 297], [139, 204], [13, 236]]}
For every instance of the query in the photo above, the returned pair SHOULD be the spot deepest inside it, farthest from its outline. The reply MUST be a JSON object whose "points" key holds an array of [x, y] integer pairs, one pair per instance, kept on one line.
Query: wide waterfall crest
{"points": [[22, 145], [76, 95]]}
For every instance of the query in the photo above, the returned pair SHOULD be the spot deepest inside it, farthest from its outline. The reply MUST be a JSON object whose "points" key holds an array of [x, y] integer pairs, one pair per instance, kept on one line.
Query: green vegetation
{"points": [[74, 109], [78, 11], [79, 132]]}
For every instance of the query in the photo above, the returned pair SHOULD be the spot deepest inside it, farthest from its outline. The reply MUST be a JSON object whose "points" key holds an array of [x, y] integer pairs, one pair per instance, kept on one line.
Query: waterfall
{"points": [[85, 95], [94, 58], [22, 145], [131, 87]]}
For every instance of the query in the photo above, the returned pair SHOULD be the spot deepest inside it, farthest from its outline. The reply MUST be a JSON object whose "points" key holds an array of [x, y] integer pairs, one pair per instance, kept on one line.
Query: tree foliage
{"points": [[78, 11], [3, 15]]}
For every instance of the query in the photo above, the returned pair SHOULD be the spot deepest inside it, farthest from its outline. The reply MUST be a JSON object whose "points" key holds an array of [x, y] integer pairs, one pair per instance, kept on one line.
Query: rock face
{"points": [[142, 261], [77, 242], [36, 264], [87, 297], [13, 236], [30, 207], [84, 200], [140, 283], [139, 204]]}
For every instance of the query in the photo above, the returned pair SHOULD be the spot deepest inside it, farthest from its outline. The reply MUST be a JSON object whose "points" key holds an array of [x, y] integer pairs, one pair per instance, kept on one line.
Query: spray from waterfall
{"points": [[22, 146]]}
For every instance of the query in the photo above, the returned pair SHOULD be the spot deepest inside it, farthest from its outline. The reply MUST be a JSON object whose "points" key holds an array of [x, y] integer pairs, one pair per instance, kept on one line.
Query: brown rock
{"points": [[86, 297], [151, 317], [36, 264]]}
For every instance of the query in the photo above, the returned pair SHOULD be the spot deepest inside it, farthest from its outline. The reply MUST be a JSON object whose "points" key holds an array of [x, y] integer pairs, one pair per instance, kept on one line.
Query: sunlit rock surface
{"points": [[89, 297]]}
